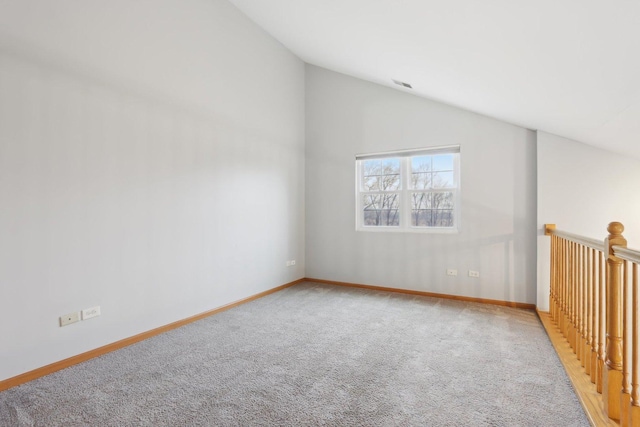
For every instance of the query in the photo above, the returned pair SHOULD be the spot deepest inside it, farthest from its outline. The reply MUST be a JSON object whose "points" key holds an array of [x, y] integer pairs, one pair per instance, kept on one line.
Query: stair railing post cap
{"points": [[615, 228]]}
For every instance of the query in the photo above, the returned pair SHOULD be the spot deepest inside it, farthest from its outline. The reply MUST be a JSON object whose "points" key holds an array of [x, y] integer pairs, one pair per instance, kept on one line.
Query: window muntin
{"points": [[408, 191]]}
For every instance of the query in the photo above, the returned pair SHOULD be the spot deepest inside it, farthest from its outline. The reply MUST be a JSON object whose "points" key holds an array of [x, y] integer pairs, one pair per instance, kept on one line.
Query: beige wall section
{"points": [[346, 116], [151, 162], [581, 189]]}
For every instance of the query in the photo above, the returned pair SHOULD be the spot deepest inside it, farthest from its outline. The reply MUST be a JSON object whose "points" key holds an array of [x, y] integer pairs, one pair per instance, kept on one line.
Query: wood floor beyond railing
{"points": [[586, 391], [593, 303]]}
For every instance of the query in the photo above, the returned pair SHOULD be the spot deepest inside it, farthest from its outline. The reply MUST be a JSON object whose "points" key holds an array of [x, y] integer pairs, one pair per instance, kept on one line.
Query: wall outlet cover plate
{"points": [[70, 318], [88, 313]]}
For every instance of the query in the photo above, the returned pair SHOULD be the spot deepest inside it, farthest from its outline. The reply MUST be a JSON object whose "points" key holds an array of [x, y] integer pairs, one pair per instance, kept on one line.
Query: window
{"points": [[416, 190]]}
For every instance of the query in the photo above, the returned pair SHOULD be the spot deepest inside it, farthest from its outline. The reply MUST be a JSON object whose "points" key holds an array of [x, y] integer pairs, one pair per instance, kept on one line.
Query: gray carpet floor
{"points": [[319, 355]]}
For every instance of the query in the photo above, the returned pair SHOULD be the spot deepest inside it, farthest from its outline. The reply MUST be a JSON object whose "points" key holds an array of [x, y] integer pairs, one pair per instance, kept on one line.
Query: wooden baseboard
{"points": [[74, 360], [62, 364], [428, 294], [586, 391]]}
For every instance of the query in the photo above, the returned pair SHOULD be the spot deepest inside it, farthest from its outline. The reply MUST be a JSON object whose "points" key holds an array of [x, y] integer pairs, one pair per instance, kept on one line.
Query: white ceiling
{"points": [[568, 67]]}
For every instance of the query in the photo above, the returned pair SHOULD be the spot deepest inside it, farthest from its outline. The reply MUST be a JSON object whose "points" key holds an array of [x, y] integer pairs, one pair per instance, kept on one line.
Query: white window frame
{"points": [[405, 192]]}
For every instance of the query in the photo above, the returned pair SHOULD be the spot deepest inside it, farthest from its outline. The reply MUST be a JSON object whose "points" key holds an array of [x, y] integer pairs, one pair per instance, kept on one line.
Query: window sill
{"points": [[433, 230]]}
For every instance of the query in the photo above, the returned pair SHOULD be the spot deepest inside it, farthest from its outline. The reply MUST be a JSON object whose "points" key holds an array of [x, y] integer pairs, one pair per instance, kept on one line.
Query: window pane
{"points": [[443, 180], [442, 200], [381, 175], [371, 202], [372, 167], [391, 166], [421, 218], [390, 174], [432, 218], [381, 210], [371, 183], [372, 218], [421, 177], [390, 182], [443, 162], [382, 217], [390, 218], [420, 201], [421, 181], [390, 201], [432, 209], [443, 218], [421, 163]]}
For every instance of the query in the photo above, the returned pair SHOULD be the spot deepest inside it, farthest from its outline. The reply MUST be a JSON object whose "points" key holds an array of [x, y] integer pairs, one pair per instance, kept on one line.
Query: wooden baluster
{"points": [[569, 294], [558, 309], [635, 368], [572, 298], [594, 316], [580, 317], [576, 301], [587, 310], [612, 376], [602, 321], [625, 395], [563, 286], [552, 282], [567, 290], [582, 313], [552, 279], [577, 337], [565, 283]]}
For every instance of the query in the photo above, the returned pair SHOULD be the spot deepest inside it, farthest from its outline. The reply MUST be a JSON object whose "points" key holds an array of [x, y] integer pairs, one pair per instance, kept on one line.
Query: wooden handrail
{"points": [[576, 238], [627, 254]]}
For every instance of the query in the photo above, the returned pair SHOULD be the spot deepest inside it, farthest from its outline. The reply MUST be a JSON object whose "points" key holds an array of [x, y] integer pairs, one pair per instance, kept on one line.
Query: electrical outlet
{"points": [[452, 272], [70, 318], [474, 273], [293, 262], [88, 313]]}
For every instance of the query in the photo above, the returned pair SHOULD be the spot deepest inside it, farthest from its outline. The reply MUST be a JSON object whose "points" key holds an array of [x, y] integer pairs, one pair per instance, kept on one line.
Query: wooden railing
{"points": [[594, 302]]}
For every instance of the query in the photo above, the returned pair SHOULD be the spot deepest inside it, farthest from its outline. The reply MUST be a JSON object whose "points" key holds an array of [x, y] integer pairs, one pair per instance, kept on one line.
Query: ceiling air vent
{"points": [[398, 82]]}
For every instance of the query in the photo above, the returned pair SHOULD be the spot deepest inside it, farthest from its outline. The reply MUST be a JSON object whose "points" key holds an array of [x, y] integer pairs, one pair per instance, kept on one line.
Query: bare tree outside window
{"points": [[430, 208], [413, 191], [381, 176]]}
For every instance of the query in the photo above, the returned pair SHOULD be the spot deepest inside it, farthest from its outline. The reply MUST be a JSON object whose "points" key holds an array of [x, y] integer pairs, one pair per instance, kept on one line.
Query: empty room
{"points": [[337, 212]]}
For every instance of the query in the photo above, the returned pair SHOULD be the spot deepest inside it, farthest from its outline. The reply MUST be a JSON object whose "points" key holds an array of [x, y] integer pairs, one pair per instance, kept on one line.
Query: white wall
{"points": [[346, 116], [151, 162], [582, 189]]}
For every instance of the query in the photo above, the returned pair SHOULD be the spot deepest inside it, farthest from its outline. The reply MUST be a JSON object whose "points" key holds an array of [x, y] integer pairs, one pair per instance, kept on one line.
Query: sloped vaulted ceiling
{"points": [[568, 67]]}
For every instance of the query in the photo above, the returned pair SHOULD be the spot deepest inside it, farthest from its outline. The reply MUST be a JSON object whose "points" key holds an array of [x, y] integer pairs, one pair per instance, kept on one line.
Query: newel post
{"points": [[612, 377]]}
